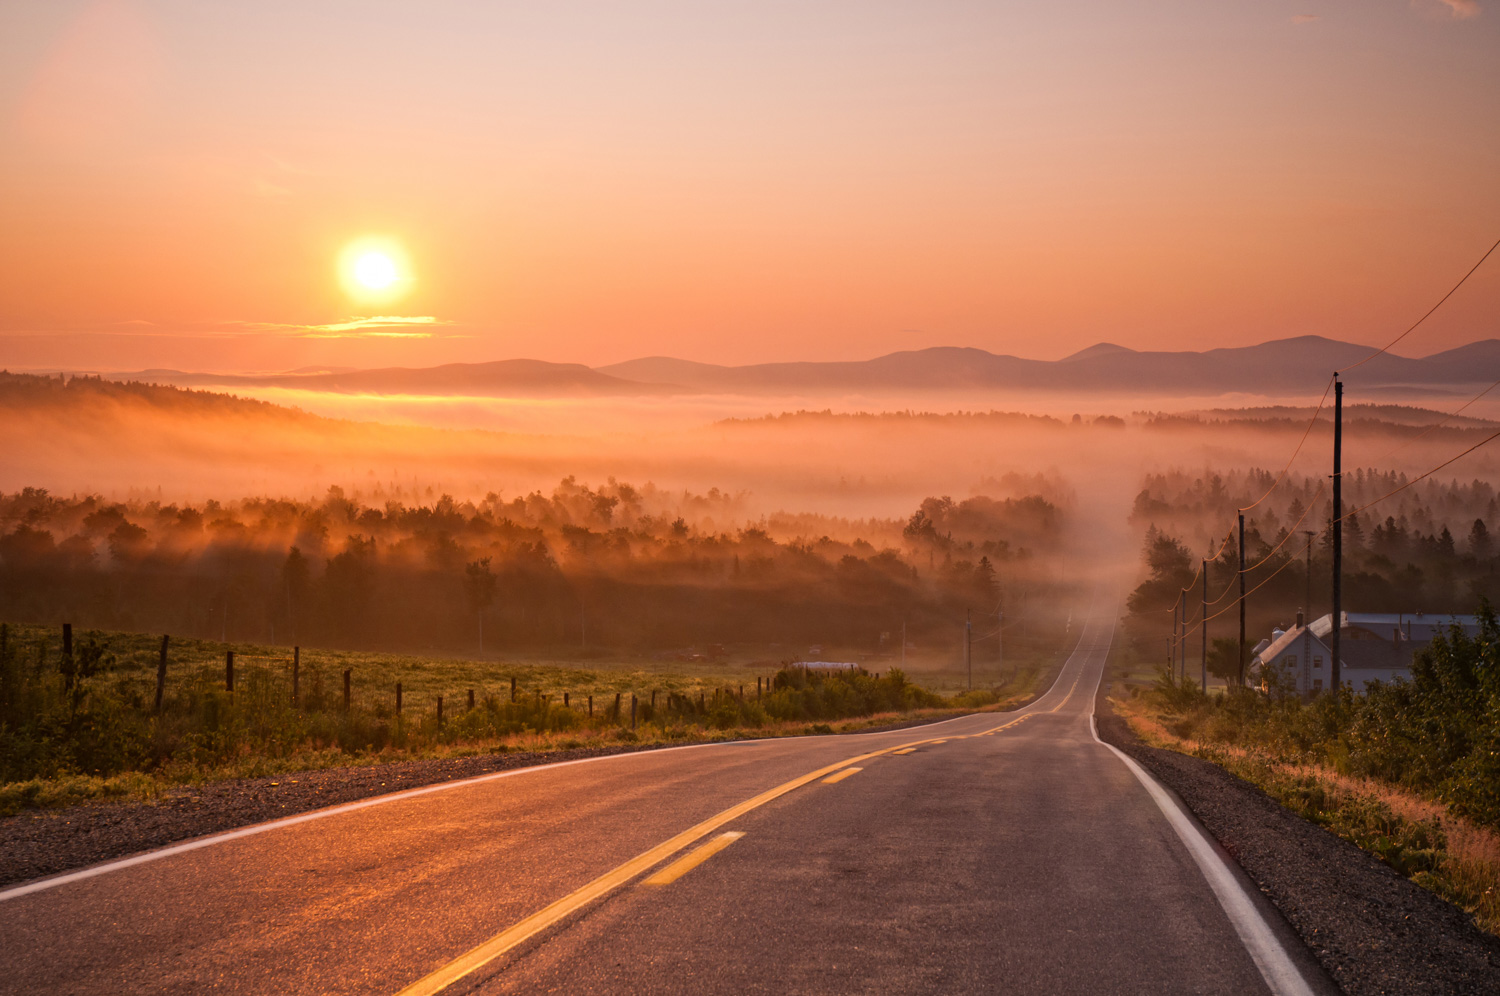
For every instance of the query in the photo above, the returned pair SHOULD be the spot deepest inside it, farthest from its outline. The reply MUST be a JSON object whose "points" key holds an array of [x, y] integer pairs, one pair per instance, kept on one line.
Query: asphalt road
{"points": [[1006, 852]]}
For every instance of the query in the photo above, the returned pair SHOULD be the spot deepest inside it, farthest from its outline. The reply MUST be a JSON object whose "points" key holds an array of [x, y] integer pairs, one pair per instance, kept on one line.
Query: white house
{"points": [[1375, 646]]}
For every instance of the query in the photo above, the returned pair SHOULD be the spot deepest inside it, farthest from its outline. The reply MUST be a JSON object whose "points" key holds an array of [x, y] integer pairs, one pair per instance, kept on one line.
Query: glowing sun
{"points": [[374, 270]]}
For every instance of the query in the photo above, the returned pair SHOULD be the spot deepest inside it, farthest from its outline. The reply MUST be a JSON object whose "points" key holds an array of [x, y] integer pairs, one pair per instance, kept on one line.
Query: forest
{"points": [[613, 565], [1426, 548]]}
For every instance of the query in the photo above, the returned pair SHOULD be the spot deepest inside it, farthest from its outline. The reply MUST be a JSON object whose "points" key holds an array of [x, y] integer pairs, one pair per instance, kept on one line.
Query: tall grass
{"points": [[86, 724]]}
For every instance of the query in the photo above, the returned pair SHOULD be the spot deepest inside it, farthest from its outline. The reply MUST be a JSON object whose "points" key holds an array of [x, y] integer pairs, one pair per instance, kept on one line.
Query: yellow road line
{"points": [[1066, 697], [475, 959], [836, 778], [935, 742], [693, 859]]}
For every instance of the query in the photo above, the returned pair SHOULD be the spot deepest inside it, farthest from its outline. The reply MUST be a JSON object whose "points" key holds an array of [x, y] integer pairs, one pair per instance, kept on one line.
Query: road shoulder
{"points": [[1372, 930]]}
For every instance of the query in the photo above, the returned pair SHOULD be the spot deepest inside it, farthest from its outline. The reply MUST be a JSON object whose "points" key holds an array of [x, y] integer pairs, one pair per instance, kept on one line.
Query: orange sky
{"points": [[740, 181]]}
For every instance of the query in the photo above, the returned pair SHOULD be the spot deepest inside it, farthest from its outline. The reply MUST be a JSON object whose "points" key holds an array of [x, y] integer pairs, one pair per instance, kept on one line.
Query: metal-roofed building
{"points": [[1376, 646]]}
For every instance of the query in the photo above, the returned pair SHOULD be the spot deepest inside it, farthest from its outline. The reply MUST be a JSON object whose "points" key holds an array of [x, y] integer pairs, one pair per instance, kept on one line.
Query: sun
{"points": [[374, 270]]}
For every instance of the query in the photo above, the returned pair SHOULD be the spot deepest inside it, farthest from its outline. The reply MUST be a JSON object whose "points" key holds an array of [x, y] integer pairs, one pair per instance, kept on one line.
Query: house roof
{"points": [[1417, 629]]}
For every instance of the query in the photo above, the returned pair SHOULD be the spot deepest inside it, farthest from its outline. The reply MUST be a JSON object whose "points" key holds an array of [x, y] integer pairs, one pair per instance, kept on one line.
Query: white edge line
{"points": [[1281, 976], [43, 884]]}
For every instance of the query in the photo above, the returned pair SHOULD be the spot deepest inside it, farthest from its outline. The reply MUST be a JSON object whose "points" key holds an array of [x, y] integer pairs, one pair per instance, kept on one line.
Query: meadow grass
{"points": [[99, 737]]}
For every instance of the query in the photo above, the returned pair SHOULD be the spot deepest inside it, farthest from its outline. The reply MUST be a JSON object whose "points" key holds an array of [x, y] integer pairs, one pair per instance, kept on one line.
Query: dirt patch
{"points": [[1373, 930]]}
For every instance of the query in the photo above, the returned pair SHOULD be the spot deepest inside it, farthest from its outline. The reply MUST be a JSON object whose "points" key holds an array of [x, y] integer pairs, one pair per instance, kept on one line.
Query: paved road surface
{"points": [[993, 853]]}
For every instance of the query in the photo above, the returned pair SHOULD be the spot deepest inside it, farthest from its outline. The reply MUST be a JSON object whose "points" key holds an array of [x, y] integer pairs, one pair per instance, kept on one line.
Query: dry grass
{"points": [[1469, 873]]}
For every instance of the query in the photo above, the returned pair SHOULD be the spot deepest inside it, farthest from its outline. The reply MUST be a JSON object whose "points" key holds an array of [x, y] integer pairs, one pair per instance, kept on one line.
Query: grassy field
{"points": [[87, 726]]}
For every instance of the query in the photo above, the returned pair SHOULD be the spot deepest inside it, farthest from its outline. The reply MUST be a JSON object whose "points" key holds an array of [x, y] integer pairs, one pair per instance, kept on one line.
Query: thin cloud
{"points": [[1304, 18], [1462, 9], [374, 327]]}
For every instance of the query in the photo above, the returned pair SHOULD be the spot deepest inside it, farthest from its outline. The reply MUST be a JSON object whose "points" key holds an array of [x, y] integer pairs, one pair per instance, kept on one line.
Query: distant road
{"points": [[1001, 852]]}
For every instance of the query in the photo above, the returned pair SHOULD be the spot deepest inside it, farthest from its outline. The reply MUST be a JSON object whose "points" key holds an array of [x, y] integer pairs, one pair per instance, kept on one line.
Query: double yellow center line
{"points": [[475, 959]]}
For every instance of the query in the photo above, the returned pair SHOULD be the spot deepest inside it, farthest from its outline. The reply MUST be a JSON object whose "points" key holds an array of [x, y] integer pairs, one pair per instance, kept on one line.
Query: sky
{"points": [[183, 184]]}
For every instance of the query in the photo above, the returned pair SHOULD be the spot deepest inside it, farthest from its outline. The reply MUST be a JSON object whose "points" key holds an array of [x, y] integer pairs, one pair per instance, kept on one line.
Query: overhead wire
{"points": [[1303, 441], [1300, 443], [1453, 414], [1386, 348], [1492, 436]]}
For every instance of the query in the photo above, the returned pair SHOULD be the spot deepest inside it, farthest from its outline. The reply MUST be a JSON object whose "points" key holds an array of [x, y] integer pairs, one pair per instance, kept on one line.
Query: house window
{"points": [[1290, 660], [1317, 684], [1317, 662]]}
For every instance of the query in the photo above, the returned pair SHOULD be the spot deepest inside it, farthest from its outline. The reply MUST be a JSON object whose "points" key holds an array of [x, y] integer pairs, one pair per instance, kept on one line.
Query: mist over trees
{"points": [[1427, 548], [609, 566]]}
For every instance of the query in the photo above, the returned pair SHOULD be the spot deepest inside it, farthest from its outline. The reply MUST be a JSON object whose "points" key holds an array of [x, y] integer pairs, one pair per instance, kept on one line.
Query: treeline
{"points": [[1428, 548], [28, 392], [608, 566]]}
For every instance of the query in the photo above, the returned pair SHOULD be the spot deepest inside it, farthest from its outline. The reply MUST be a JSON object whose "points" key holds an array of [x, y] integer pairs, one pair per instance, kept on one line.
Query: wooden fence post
{"points": [[398, 698], [632, 710], [565, 701], [512, 689], [296, 675], [440, 710], [617, 705], [471, 700], [346, 689], [653, 702], [229, 671], [67, 640], [591, 707], [161, 674]]}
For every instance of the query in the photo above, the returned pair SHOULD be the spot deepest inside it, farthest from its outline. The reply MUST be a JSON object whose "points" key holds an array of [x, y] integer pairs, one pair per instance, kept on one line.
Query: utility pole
{"points": [[1205, 627], [1175, 637], [969, 648], [1242, 600], [1307, 610], [1338, 525], [1182, 640], [999, 637]]}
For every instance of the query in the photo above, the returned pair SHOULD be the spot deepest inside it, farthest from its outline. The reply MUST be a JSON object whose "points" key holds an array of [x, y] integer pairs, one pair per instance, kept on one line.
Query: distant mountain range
{"points": [[1281, 367]]}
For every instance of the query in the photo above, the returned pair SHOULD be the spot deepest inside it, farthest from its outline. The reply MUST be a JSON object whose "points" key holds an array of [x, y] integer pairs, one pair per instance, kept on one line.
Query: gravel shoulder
{"points": [[38, 843], [1371, 929]]}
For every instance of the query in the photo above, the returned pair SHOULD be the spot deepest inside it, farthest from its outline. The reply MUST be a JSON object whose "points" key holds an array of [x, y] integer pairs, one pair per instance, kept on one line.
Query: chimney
{"points": [[1299, 620]]}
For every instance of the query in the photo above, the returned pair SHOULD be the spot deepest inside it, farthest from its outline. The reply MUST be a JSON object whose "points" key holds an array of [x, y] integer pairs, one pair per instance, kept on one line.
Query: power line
{"points": [[1397, 449], [1267, 580], [1435, 307], [1300, 443], [1414, 480]]}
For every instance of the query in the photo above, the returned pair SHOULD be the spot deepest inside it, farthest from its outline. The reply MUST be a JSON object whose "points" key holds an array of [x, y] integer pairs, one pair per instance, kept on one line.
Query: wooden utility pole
{"points": [[1205, 627], [1176, 635], [969, 648], [161, 674], [1242, 600], [1338, 526], [1177, 664]]}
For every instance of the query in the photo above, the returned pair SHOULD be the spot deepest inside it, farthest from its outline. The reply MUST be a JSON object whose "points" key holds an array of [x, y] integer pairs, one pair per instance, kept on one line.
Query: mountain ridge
{"points": [[1295, 365]]}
